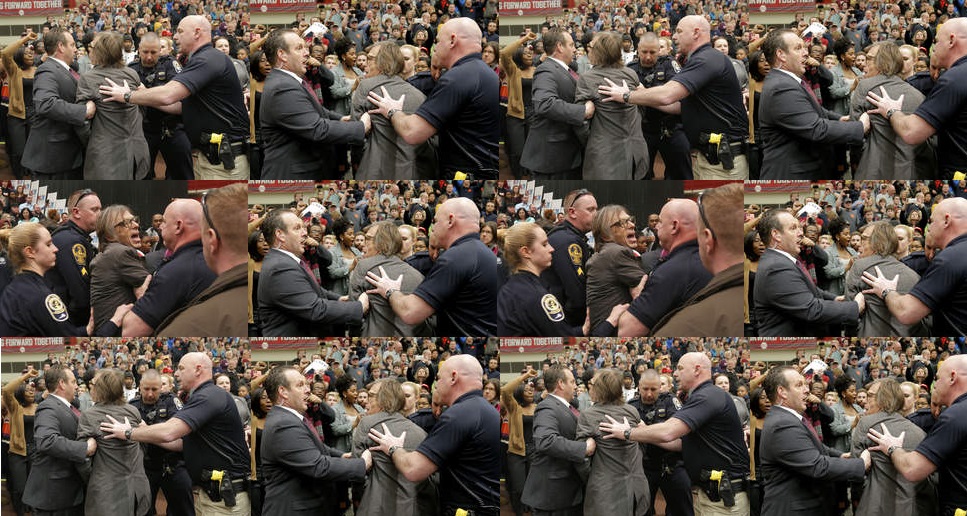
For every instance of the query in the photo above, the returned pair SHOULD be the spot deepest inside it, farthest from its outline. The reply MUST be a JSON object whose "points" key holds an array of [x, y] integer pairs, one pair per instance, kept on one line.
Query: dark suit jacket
{"points": [[292, 304], [558, 469], [557, 135], [787, 304], [55, 481], [294, 125], [54, 145], [797, 467], [300, 471], [795, 130]]}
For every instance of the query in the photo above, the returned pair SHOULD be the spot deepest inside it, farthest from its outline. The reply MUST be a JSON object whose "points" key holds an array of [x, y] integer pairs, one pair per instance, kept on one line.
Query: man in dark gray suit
{"points": [[795, 126], [291, 302], [555, 484], [300, 471], [555, 144], [787, 302], [55, 486], [796, 466], [297, 131], [54, 150]]}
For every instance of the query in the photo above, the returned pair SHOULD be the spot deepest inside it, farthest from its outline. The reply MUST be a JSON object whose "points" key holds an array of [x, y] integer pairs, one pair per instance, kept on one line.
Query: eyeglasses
{"points": [[87, 192], [208, 217], [128, 222], [630, 221], [701, 212], [577, 195]]}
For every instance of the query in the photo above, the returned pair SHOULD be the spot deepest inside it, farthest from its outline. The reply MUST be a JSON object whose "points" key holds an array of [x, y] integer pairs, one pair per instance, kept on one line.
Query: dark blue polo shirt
{"points": [[945, 109], [716, 440], [714, 103], [465, 446], [176, 282], [943, 288], [216, 434], [462, 288], [216, 104], [673, 281], [946, 447], [464, 109]]}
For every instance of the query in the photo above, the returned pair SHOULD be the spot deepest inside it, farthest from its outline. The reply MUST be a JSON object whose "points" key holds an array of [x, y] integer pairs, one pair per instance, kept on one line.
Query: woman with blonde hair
{"points": [[614, 271], [904, 235], [616, 483], [28, 306], [114, 122], [612, 121], [885, 490], [116, 459], [525, 306], [118, 270]]}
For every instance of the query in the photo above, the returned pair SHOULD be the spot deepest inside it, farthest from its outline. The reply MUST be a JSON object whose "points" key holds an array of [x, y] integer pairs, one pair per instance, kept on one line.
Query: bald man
{"points": [[209, 431], [460, 286], [462, 108], [678, 276], [714, 310], [180, 277], [945, 447], [707, 94], [207, 91], [944, 112], [706, 429], [464, 445], [942, 289]]}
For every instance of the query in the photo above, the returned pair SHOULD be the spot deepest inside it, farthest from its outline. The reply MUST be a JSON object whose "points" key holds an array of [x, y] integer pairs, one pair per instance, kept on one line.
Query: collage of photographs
{"points": [[483, 258]]}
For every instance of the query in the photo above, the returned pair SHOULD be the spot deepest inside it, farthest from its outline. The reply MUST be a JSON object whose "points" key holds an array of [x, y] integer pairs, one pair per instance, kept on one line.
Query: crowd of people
{"points": [[180, 275], [852, 91], [831, 430], [858, 258], [73, 85], [225, 434]]}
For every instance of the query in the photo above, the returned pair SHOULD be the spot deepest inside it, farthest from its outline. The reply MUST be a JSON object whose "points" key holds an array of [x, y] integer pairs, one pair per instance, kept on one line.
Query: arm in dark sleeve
{"points": [[295, 112], [548, 104], [49, 439], [796, 115], [548, 438], [48, 104], [790, 295], [293, 294], [293, 446], [801, 455]]}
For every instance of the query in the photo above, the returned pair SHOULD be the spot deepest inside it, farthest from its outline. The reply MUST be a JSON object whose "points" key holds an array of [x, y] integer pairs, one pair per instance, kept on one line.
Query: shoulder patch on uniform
{"points": [[552, 308], [675, 66], [676, 402], [56, 308], [178, 403], [80, 254], [576, 253]]}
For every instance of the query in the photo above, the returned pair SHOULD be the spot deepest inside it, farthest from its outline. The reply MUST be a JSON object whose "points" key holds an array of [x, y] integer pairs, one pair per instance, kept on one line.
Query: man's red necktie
{"points": [[312, 427], [812, 429], [308, 87], [812, 92]]}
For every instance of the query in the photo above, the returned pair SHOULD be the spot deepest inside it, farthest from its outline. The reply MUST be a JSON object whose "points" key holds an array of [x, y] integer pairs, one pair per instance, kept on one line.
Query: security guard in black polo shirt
{"points": [[664, 469], [662, 131], [566, 278], [71, 276], [165, 469], [164, 132]]}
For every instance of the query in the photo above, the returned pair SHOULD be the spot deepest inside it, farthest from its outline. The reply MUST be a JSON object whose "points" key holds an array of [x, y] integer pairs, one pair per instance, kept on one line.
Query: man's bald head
{"points": [[693, 369], [458, 375], [678, 223], [692, 32], [182, 223], [457, 39], [948, 220], [455, 218], [194, 369], [951, 382], [193, 32], [951, 42]]}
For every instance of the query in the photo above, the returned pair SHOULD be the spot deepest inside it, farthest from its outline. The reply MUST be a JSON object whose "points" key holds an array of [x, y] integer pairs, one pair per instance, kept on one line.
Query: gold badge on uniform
{"points": [[576, 254], [56, 308], [552, 307], [80, 254]]}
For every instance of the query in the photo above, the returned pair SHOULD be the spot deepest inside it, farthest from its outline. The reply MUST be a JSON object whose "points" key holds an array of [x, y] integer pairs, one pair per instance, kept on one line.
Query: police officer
{"points": [[664, 468], [567, 278], [662, 131], [71, 276], [164, 132], [165, 469]]}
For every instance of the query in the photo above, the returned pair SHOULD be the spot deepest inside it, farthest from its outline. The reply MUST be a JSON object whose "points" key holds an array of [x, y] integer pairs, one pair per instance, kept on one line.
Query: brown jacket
{"points": [[15, 79], [515, 443], [515, 99], [18, 443]]}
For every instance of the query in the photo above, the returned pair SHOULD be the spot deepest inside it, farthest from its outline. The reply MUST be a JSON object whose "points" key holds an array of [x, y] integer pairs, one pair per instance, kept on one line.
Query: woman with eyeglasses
{"points": [[118, 271], [116, 148], [525, 306], [614, 270], [28, 306]]}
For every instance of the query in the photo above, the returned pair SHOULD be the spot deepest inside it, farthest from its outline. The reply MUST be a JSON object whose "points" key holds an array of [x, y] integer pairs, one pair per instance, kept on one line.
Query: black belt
{"points": [[738, 485], [241, 484], [738, 146]]}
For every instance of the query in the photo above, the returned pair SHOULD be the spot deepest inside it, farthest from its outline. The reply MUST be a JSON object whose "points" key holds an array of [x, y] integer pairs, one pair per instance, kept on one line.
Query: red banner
{"points": [[273, 343], [281, 6], [781, 6], [31, 7], [774, 343], [32, 344], [531, 7], [777, 186], [532, 345]]}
